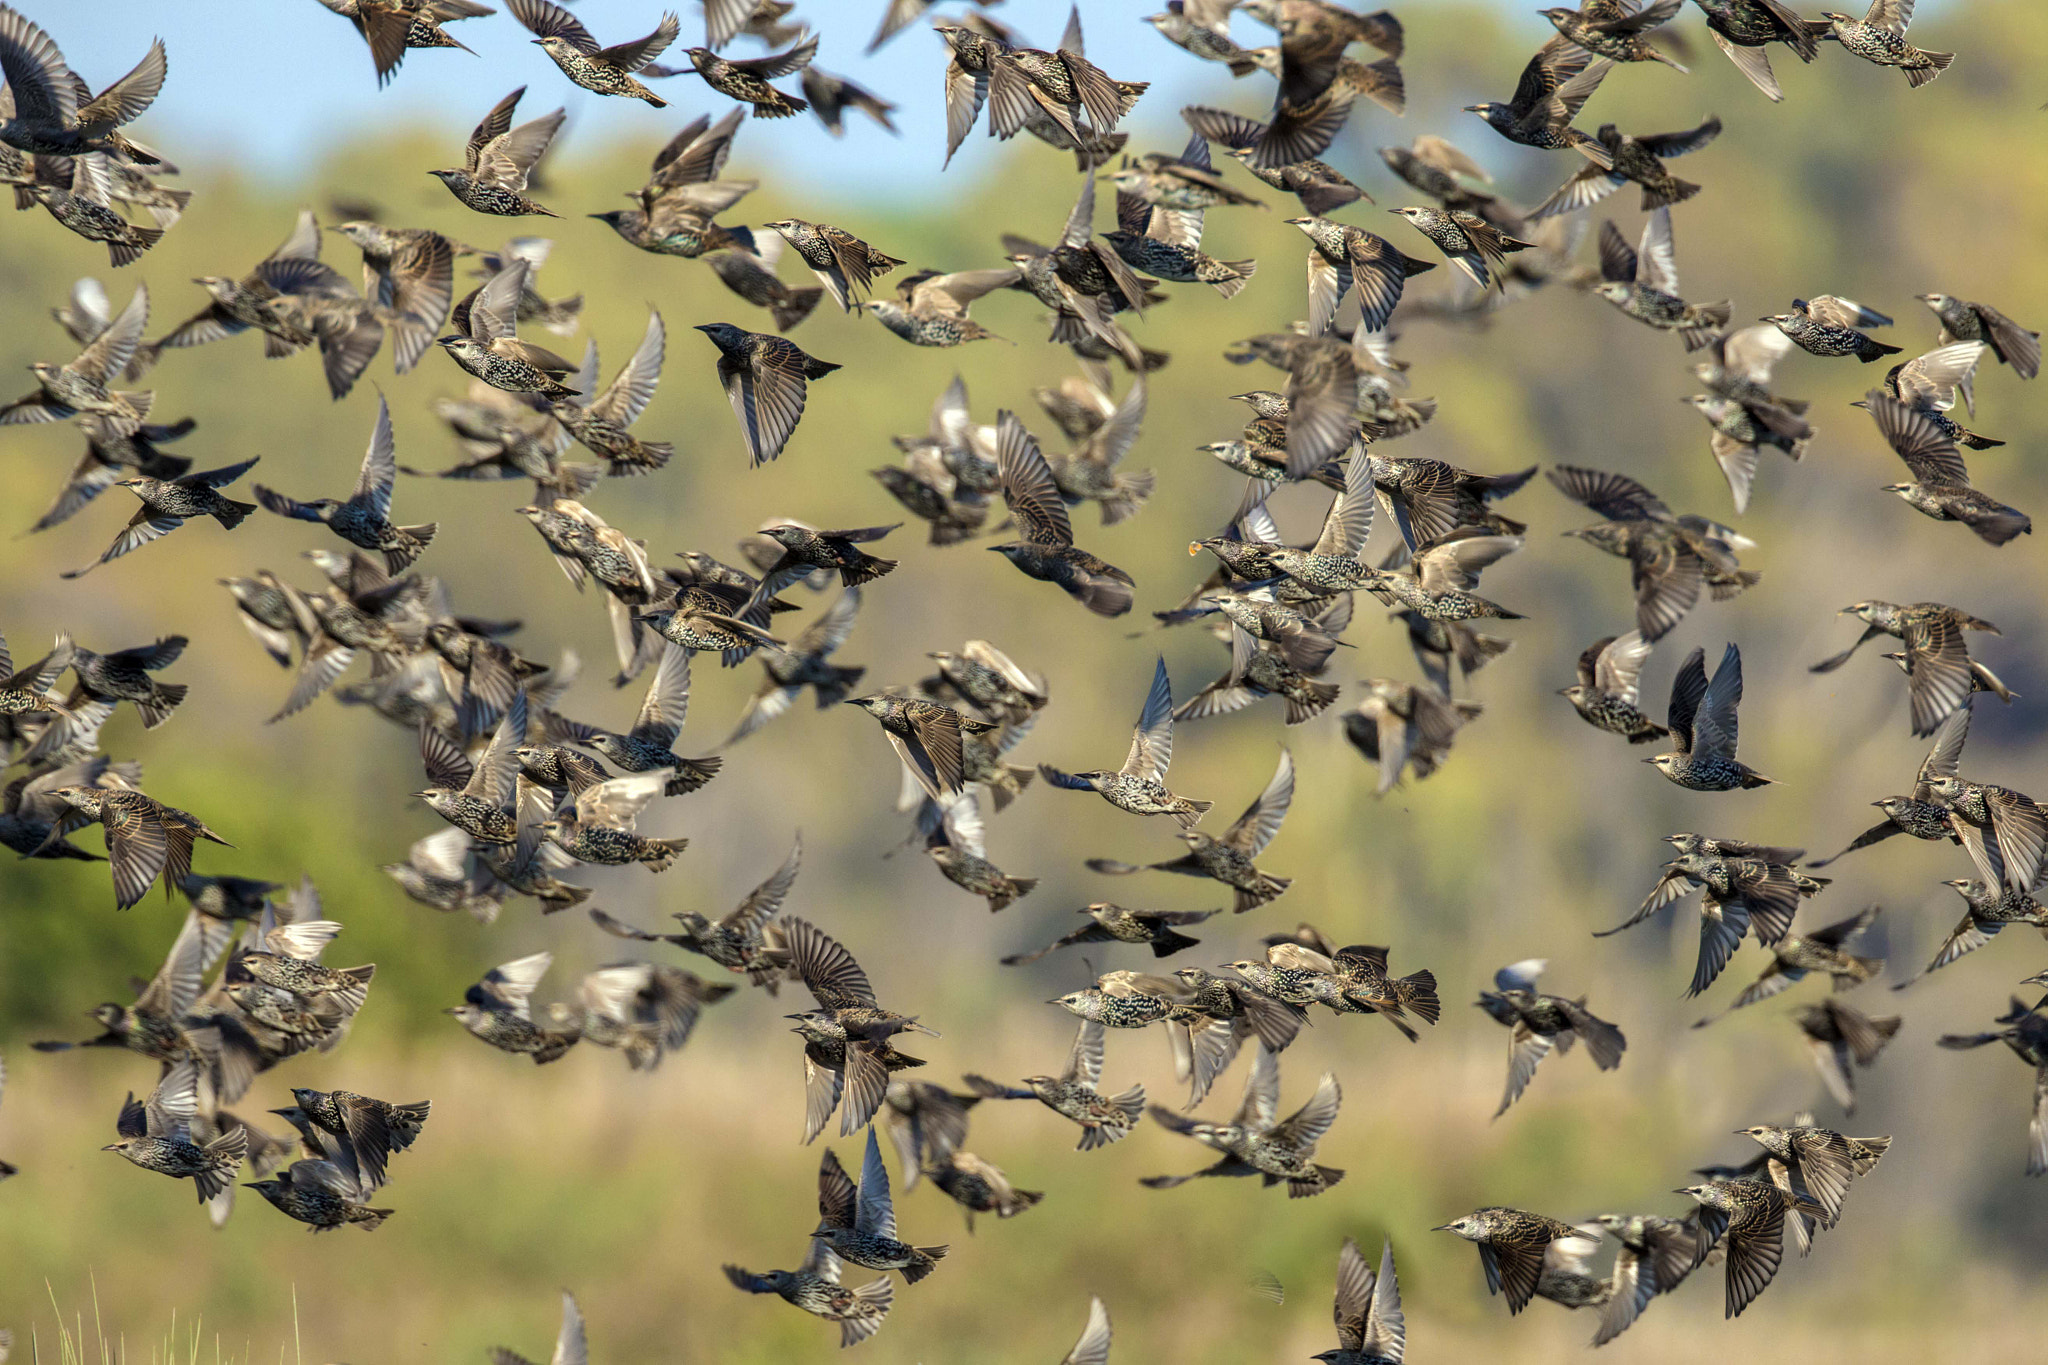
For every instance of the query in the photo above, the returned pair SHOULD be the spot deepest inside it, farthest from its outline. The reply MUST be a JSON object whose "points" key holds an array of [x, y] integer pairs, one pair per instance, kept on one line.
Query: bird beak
{"points": [[1447, 1227], [450, 1010], [1561, 691], [1650, 760]]}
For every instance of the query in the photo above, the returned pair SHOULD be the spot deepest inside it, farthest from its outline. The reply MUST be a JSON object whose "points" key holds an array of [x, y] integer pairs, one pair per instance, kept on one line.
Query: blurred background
{"points": [[633, 1189]]}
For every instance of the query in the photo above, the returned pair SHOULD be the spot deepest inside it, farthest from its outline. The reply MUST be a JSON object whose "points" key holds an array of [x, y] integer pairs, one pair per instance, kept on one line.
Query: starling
{"points": [[364, 519], [644, 1010], [1838, 1034], [1257, 1141], [1962, 320], [321, 1195], [410, 274], [1638, 159], [1229, 860], [1538, 1023], [1440, 170], [155, 1026], [1091, 473], [391, 28], [1344, 259], [443, 871], [1879, 38], [1112, 923], [860, 1225], [1938, 666], [843, 263], [1371, 1329], [930, 309], [1202, 28], [1644, 284], [1430, 499], [1469, 243], [1815, 1165], [1703, 726], [484, 343], [804, 551], [814, 1287], [1922, 813], [156, 1135], [805, 662], [700, 618], [1363, 982], [1320, 187], [146, 839], [765, 379], [1439, 581], [1744, 28], [499, 1010], [1747, 887], [1047, 552], [1140, 785], [600, 828], [1511, 1244], [80, 386], [1082, 280], [2026, 1033], [102, 681], [1739, 432], [1184, 183], [831, 96], [2012, 856], [1823, 950], [52, 112], [601, 426], [1826, 326], [1073, 1094], [1213, 1020], [1941, 481], [1929, 383], [1751, 1216], [1257, 672], [648, 746], [372, 1129], [168, 503], [1656, 1255], [927, 737], [81, 206], [744, 940], [499, 159], [956, 840], [602, 71], [1618, 37], [747, 82], [1988, 908], [683, 194], [926, 1123], [1166, 244], [110, 457], [28, 811], [1405, 726], [1672, 557], [1606, 694], [847, 1037], [571, 1348], [990, 681], [1553, 87], [479, 798], [1123, 1000]]}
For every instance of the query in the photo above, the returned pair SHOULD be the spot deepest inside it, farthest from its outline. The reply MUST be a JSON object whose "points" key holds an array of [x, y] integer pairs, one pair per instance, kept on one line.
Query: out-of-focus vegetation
{"points": [[633, 1189]]}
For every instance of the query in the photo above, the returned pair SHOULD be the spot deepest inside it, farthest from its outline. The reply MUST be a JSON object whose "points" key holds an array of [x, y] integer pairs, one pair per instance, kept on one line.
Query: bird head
{"points": [[1559, 15], [470, 1015], [1862, 609], [1577, 692], [784, 535], [1614, 291], [1243, 966], [1040, 1082], [1780, 318], [433, 797], [1487, 111], [1699, 1192], [874, 706], [555, 46], [364, 234], [449, 176], [217, 285], [131, 483], [1836, 17], [108, 1014], [1662, 762], [1074, 1002], [458, 345], [724, 334], [1468, 1227], [42, 369], [306, 1098], [1411, 213], [1011, 550], [1753, 1132], [121, 1146], [1902, 489], [703, 58], [785, 226], [1966, 887], [1935, 301]]}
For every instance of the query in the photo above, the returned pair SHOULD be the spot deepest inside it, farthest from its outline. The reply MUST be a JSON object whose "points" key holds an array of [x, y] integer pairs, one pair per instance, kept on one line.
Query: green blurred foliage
{"points": [[631, 1190]]}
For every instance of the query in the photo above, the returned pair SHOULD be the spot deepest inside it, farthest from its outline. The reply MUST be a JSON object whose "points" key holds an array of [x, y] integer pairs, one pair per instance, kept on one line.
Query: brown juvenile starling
{"points": [[1073, 1094], [499, 158], [1644, 284], [1404, 726], [1511, 1244], [1371, 1329], [1606, 694], [1229, 860], [2026, 1033], [860, 1225], [1538, 1023], [814, 1287], [765, 378], [1553, 87], [1962, 320], [600, 70], [52, 112], [499, 1010], [1257, 1141], [747, 82], [1941, 486], [1879, 38]]}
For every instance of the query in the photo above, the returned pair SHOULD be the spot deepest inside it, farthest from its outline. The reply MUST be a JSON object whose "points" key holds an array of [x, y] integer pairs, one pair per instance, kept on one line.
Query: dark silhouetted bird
{"points": [[1405, 726], [1553, 87], [765, 378], [747, 81], [53, 112], [1842, 1037], [1540, 1023]]}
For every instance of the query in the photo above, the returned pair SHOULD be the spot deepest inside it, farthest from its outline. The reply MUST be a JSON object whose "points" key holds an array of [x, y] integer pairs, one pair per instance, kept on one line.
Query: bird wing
{"points": [[1028, 485], [1618, 668], [1618, 259], [873, 1213], [1614, 496], [380, 466], [137, 849], [1832, 311], [632, 56], [1892, 15], [1688, 689], [1715, 722], [1093, 1347], [492, 778], [510, 985], [767, 396], [1355, 1288], [966, 91], [1945, 758], [1260, 1108], [1556, 62], [822, 1085], [508, 159], [668, 698], [490, 128], [1657, 258], [176, 985], [1754, 351], [781, 63], [1938, 674], [1386, 1328], [571, 1347], [174, 1103], [43, 88], [1930, 380], [1722, 926], [1526, 1048], [1261, 820], [546, 20], [1152, 741], [837, 1196], [1084, 1063], [827, 969], [114, 347], [491, 313], [1305, 1127], [1455, 562], [1348, 523]]}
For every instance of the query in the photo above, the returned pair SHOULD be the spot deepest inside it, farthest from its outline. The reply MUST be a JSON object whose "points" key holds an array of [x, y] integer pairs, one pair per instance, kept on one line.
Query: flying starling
{"points": [[1823, 950], [477, 798], [1229, 860], [743, 940], [364, 518], [156, 1135], [1538, 1023], [2026, 1033], [1606, 694], [1941, 481], [1744, 28], [1166, 244], [1656, 1255], [1923, 814], [1938, 666], [1111, 923], [1202, 29], [847, 1037], [1621, 37], [1962, 320], [1637, 159], [52, 112], [1839, 1034], [1826, 326], [1747, 887], [600, 828], [28, 811], [674, 209], [1929, 383], [747, 82], [1988, 908], [168, 503], [571, 1346], [102, 681], [1553, 87], [409, 273], [156, 1025], [1347, 260], [644, 1010], [484, 343], [843, 263], [80, 203], [1672, 556], [926, 736], [926, 1123], [374, 1129], [956, 840], [1257, 1141], [391, 28], [499, 159], [81, 385], [814, 1287], [1140, 785], [1511, 1244], [146, 839], [1320, 187], [1073, 1094], [1703, 726], [499, 1010], [930, 309], [765, 378], [1469, 243], [1371, 1329], [1047, 551], [805, 662], [1404, 726], [603, 71], [1879, 38], [1123, 1000], [1644, 284], [860, 1225], [1816, 1166], [831, 96], [321, 1195], [1441, 170]]}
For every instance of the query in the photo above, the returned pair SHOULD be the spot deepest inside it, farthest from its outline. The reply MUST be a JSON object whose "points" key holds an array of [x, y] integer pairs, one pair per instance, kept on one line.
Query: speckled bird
{"points": [[1257, 1141], [1140, 785], [157, 1135], [1879, 38], [1539, 1023], [1827, 326], [1553, 87], [843, 263], [600, 70], [498, 160], [814, 1287], [1941, 487], [364, 518], [1073, 1094], [1606, 694], [1643, 283], [1229, 860], [1821, 950], [747, 81], [1511, 1244], [499, 1010]]}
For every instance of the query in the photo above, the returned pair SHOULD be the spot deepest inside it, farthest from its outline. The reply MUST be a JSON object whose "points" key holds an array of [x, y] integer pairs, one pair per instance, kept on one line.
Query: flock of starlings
{"points": [[529, 794]]}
